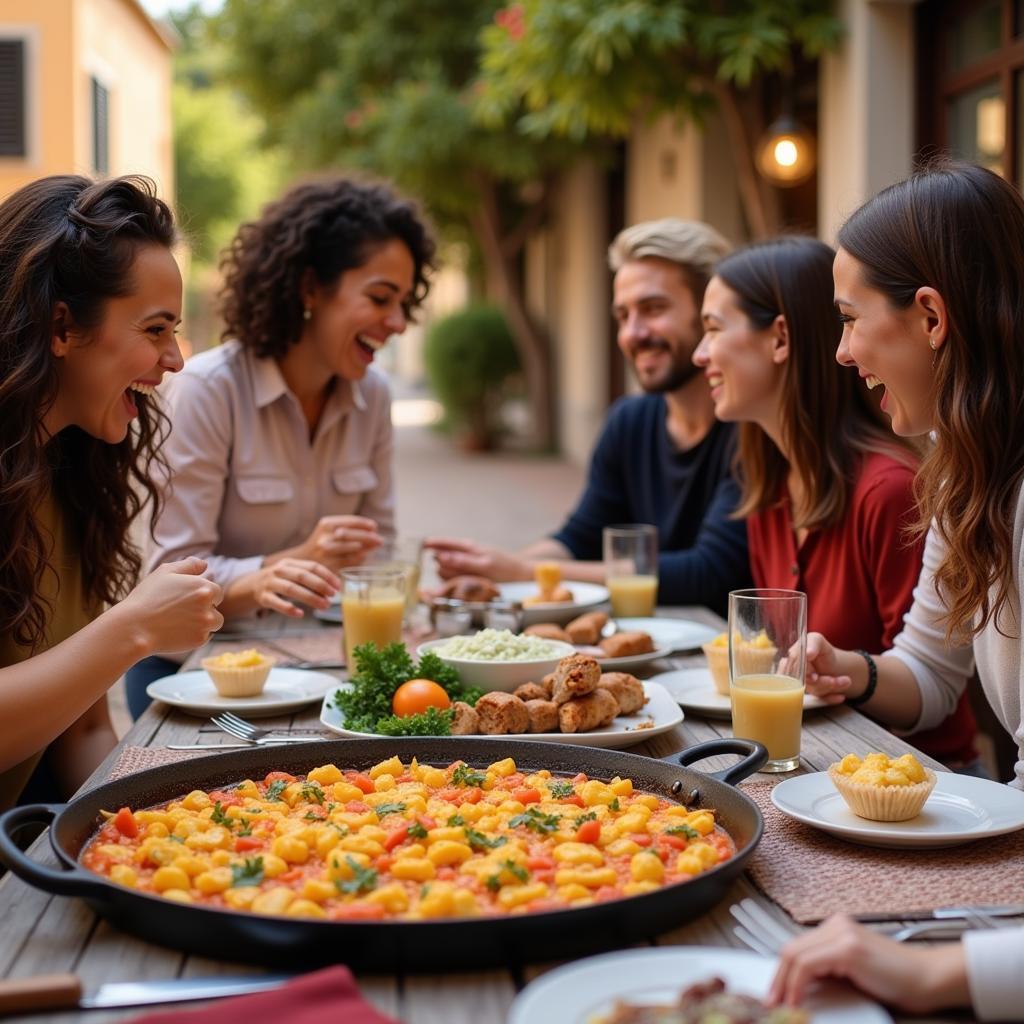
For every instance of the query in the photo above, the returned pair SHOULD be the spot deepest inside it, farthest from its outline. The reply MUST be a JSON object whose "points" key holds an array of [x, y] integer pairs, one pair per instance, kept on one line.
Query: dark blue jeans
{"points": [[140, 675]]}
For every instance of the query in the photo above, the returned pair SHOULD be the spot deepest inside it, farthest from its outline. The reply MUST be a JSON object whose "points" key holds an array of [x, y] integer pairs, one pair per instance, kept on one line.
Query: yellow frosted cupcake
{"points": [[883, 789], [239, 673], [717, 653], [753, 657]]}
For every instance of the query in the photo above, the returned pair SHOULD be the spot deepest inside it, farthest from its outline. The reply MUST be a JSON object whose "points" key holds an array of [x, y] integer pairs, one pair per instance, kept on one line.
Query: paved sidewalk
{"points": [[501, 499]]}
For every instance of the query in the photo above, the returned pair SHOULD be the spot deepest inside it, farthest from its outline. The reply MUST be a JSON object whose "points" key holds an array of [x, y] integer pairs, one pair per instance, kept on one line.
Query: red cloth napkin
{"points": [[330, 994]]}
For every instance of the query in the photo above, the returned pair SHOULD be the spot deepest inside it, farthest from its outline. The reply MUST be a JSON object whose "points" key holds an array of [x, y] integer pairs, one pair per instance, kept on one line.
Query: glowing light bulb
{"points": [[786, 153]]}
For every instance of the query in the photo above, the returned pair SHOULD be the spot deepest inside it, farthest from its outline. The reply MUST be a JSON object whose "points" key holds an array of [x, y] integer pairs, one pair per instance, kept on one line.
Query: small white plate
{"points": [[675, 634], [628, 661], [658, 715], [693, 689], [332, 613], [586, 990], [586, 597], [961, 808], [286, 688]]}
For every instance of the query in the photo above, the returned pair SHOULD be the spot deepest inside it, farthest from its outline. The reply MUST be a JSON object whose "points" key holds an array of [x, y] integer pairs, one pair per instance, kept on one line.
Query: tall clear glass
{"points": [[372, 607], [406, 555], [767, 655], [631, 568]]}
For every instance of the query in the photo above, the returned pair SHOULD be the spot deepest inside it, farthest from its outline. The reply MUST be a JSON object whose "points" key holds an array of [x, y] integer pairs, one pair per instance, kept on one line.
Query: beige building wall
{"points": [[69, 42]]}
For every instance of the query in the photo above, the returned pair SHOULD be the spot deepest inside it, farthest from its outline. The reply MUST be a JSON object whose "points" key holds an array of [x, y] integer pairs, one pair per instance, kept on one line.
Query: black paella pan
{"points": [[452, 944]]}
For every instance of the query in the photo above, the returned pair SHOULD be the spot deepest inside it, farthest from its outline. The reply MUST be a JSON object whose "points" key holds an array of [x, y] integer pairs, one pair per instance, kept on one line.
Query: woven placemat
{"points": [[812, 874], [138, 759]]}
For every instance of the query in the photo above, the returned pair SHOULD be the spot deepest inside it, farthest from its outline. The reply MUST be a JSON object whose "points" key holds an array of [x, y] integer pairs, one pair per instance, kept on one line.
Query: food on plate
{"points": [[549, 589], [587, 628], [881, 788], [549, 631], [416, 695], [407, 841], [624, 645], [470, 588], [368, 705], [627, 690], [717, 653], [496, 645], [501, 713], [465, 721], [574, 676], [707, 1002], [560, 595], [531, 691], [753, 657], [591, 711], [543, 714], [239, 673]]}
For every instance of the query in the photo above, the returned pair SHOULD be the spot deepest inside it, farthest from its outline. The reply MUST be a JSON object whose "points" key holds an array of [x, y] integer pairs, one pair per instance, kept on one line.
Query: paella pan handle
{"points": [[756, 756], [62, 881]]}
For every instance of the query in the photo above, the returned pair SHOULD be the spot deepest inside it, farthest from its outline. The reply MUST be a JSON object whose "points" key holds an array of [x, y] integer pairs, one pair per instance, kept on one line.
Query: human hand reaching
{"points": [[824, 676], [288, 582], [457, 557], [339, 541]]}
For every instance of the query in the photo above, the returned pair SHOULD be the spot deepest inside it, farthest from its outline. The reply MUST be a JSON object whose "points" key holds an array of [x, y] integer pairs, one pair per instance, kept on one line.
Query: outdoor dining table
{"points": [[44, 934]]}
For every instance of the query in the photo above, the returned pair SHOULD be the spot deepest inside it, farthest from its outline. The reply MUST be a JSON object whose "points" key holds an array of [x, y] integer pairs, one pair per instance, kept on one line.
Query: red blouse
{"points": [[859, 577]]}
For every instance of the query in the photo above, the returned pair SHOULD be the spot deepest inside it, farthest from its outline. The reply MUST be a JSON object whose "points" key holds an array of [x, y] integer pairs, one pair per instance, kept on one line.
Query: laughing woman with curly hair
{"points": [[280, 455], [89, 298]]}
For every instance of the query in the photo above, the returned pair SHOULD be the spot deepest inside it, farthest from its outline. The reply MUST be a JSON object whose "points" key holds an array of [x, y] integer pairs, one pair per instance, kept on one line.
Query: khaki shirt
{"points": [[246, 480], [62, 587]]}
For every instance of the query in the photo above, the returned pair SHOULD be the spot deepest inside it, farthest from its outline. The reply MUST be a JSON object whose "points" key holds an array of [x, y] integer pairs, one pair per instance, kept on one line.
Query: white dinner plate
{"points": [[675, 634], [286, 688], [658, 715], [332, 613], [693, 689], [586, 990], [961, 808], [627, 661], [586, 597]]}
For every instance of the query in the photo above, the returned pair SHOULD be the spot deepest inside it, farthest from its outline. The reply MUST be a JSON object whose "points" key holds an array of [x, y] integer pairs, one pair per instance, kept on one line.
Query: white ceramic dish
{"points": [[693, 689], [585, 990], [586, 597], [658, 715], [627, 662], [286, 688], [674, 634], [499, 675], [960, 809]]}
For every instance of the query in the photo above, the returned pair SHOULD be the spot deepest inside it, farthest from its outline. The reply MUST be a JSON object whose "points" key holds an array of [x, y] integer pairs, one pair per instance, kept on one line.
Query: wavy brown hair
{"points": [[68, 239], [828, 422], [325, 227], [960, 229]]}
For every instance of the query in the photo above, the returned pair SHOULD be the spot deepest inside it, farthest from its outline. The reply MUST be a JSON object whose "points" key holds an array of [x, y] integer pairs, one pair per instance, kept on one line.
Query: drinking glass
{"points": [[372, 607], [406, 555], [631, 568], [767, 652]]}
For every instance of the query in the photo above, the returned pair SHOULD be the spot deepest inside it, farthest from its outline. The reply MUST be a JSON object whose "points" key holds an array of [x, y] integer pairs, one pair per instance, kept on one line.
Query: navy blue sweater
{"points": [[637, 475]]}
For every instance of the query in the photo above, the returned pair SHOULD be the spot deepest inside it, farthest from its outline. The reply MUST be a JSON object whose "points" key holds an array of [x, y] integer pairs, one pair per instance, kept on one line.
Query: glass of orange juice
{"points": [[631, 568], [372, 607], [767, 653]]}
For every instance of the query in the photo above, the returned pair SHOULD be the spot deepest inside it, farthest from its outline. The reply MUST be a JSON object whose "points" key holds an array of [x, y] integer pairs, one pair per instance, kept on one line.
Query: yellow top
{"points": [[63, 588], [881, 770]]}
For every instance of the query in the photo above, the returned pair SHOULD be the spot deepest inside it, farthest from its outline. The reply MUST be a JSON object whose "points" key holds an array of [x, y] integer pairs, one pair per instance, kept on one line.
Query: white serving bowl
{"points": [[500, 675]]}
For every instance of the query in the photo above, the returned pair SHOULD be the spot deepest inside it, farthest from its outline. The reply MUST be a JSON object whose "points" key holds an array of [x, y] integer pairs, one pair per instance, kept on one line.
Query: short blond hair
{"points": [[695, 246]]}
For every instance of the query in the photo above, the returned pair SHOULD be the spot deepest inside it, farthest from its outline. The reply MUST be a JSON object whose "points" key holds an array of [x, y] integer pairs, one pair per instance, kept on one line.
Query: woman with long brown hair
{"points": [[929, 283], [89, 299], [281, 451], [826, 489]]}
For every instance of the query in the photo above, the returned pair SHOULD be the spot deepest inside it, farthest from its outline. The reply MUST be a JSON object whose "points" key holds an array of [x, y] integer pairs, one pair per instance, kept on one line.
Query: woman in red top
{"points": [[827, 489]]}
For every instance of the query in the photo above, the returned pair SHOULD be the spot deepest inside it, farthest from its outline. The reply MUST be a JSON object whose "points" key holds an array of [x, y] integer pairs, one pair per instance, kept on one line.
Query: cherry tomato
{"points": [[417, 695]]}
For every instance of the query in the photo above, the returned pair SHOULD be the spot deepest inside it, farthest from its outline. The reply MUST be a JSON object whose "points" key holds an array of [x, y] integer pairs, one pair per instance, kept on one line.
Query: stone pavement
{"points": [[502, 499]]}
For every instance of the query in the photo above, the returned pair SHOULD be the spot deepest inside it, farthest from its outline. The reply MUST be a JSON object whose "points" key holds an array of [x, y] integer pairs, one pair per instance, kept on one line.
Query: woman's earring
{"points": [[931, 341], [307, 314]]}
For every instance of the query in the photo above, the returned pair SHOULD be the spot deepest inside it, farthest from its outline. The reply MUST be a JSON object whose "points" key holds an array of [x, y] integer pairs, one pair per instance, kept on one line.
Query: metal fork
{"points": [[243, 730]]}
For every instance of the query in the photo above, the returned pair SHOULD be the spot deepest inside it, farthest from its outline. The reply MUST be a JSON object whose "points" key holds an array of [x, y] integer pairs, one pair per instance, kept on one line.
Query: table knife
{"points": [[64, 991], [948, 913]]}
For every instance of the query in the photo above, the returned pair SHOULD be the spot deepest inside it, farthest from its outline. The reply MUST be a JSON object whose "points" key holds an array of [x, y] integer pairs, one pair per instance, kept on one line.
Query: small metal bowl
{"points": [[450, 617]]}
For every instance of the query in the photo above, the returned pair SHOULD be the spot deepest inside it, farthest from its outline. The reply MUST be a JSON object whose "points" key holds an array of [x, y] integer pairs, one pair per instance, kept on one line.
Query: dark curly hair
{"points": [[68, 239], [327, 227]]}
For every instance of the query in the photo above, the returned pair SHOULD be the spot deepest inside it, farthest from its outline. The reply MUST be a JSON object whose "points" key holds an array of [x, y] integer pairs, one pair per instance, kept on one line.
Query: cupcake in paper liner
{"points": [[754, 656], [717, 653], [880, 788], [239, 673]]}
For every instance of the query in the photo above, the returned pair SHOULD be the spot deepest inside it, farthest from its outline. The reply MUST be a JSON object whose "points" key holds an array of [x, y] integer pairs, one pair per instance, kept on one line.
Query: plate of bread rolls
{"points": [[594, 634], [577, 703]]}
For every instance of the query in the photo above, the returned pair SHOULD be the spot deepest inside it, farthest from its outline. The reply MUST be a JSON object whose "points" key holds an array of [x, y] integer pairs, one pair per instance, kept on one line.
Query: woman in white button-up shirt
{"points": [[281, 442]]}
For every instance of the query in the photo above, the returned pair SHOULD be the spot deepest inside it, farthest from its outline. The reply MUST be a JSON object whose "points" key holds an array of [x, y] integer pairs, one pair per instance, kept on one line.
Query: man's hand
{"points": [[456, 557], [338, 542]]}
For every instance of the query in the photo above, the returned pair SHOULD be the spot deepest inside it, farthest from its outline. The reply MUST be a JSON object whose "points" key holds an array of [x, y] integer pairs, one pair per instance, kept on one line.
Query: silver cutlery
{"points": [[243, 730], [954, 912], [225, 746]]}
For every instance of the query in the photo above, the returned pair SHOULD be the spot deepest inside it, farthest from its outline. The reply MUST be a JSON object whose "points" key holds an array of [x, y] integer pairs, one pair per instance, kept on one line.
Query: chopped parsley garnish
{"points": [[313, 816], [385, 809], [246, 829], [466, 776], [275, 789], [362, 880], [417, 831], [561, 789], [494, 882], [312, 792], [342, 830], [683, 830], [589, 816], [455, 820], [249, 872], [431, 722], [220, 818], [478, 841], [614, 805], [176, 839], [537, 820]]}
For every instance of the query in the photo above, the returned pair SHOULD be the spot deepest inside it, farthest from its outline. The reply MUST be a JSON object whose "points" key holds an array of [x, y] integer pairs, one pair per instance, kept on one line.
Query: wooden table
{"points": [[43, 934]]}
